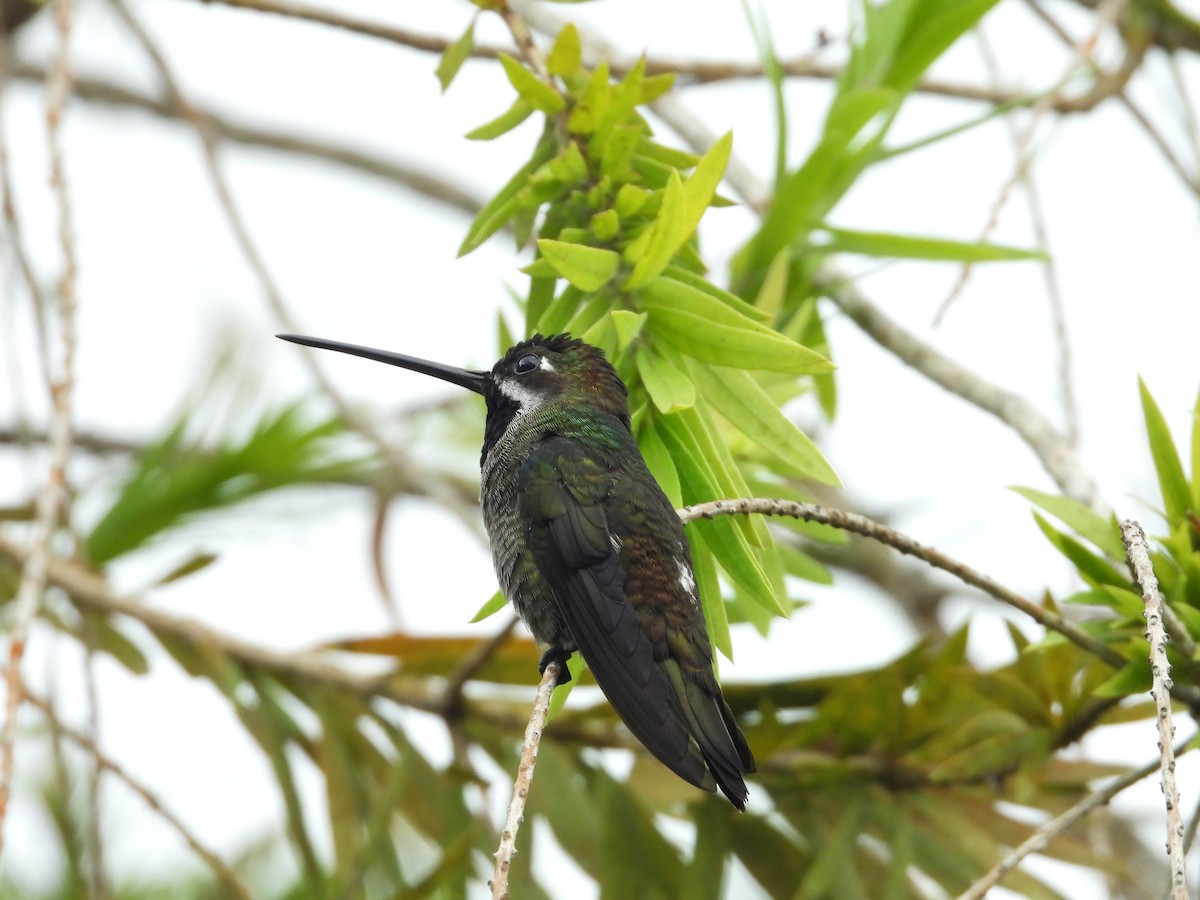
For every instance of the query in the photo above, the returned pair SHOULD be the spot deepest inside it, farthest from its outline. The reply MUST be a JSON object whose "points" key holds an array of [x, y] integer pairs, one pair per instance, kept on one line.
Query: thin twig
{"points": [[689, 72], [1046, 441], [53, 497], [1082, 51], [230, 879], [437, 489], [516, 808], [435, 185], [470, 666], [1138, 553], [98, 881], [1041, 236], [1039, 840], [876, 531]]}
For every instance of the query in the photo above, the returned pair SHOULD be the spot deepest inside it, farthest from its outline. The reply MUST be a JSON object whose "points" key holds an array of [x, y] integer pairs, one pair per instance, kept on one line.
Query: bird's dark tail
{"points": [[714, 729]]}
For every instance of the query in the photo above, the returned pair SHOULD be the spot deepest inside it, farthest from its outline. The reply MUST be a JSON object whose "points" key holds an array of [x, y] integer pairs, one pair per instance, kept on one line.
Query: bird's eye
{"points": [[527, 363]]}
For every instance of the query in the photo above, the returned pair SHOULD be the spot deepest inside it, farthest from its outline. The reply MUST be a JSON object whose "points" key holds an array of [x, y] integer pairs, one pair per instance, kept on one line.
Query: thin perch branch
{"points": [[516, 808], [1041, 838], [60, 385], [846, 521], [1046, 441], [1138, 553], [233, 883]]}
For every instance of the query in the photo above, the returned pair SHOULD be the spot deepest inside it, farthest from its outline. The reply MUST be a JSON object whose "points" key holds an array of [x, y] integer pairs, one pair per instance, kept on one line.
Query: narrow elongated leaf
{"points": [[1095, 569], [456, 54], [904, 246], [739, 398], [1086, 522], [520, 110], [1176, 492], [660, 463], [708, 585], [669, 388], [701, 185], [726, 540], [532, 89], [564, 56], [1196, 454], [654, 249], [498, 211], [588, 268], [710, 331]]}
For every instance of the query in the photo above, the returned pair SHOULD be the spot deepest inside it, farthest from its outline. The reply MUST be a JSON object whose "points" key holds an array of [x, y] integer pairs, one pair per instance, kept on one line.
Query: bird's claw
{"points": [[560, 656]]}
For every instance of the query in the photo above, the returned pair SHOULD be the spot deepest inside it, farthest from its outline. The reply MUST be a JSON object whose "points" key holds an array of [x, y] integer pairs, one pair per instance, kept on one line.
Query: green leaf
{"points": [[503, 123], [669, 388], [711, 332], [564, 57], [659, 462], [498, 211], [1134, 678], [1095, 569], [655, 247], [1086, 522], [736, 395], [588, 268], [903, 246], [729, 545], [733, 301], [456, 54], [708, 586], [702, 183], [532, 89], [1196, 454], [593, 102], [1176, 492], [494, 604]]}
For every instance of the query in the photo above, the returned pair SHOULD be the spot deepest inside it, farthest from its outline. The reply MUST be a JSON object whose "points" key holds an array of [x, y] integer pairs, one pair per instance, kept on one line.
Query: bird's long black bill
{"points": [[472, 381]]}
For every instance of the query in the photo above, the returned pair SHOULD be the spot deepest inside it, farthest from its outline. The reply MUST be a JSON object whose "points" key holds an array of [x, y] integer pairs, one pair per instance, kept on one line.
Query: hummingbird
{"points": [[590, 551]]}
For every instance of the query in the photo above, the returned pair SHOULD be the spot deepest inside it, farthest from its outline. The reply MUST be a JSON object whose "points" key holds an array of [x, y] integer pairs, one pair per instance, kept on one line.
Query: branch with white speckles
{"points": [[60, 385], [1137, 551], [516, 807], [1041, 838], [869, 528]]}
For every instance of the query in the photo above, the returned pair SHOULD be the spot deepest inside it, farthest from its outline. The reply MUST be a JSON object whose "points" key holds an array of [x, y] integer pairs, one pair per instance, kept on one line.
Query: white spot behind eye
{"points": [[545, 365]]}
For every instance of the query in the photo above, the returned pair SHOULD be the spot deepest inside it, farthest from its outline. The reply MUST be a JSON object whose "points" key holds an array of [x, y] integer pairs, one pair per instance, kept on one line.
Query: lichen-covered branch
{"points": [[877, 531], [1138, 553]]}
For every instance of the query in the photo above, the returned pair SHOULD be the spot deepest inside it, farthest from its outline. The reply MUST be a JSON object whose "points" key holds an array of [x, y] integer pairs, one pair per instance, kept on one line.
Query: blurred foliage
{"points": [[902, 780]]}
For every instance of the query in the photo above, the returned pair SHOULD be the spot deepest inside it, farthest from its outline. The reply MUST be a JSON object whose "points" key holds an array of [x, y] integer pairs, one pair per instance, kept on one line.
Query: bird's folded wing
{"points": [[562, 494]]}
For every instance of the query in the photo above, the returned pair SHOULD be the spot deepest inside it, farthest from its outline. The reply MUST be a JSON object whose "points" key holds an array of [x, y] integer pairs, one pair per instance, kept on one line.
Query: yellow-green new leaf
{"points": [[503, 123], [710, 331], [670, 389], [652, 251], [702, 183], [736, 395], [564, 56], [456, 54], [532, 89], [587, 268], [1176, 492]]}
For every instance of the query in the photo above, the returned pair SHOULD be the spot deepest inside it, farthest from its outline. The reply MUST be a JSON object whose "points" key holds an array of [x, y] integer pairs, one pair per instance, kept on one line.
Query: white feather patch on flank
{"points": [[687, 580], [615, 542]]}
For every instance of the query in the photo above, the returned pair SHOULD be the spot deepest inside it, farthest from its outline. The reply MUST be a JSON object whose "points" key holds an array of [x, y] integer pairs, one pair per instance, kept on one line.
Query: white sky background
{"points": [[162, 285]]}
